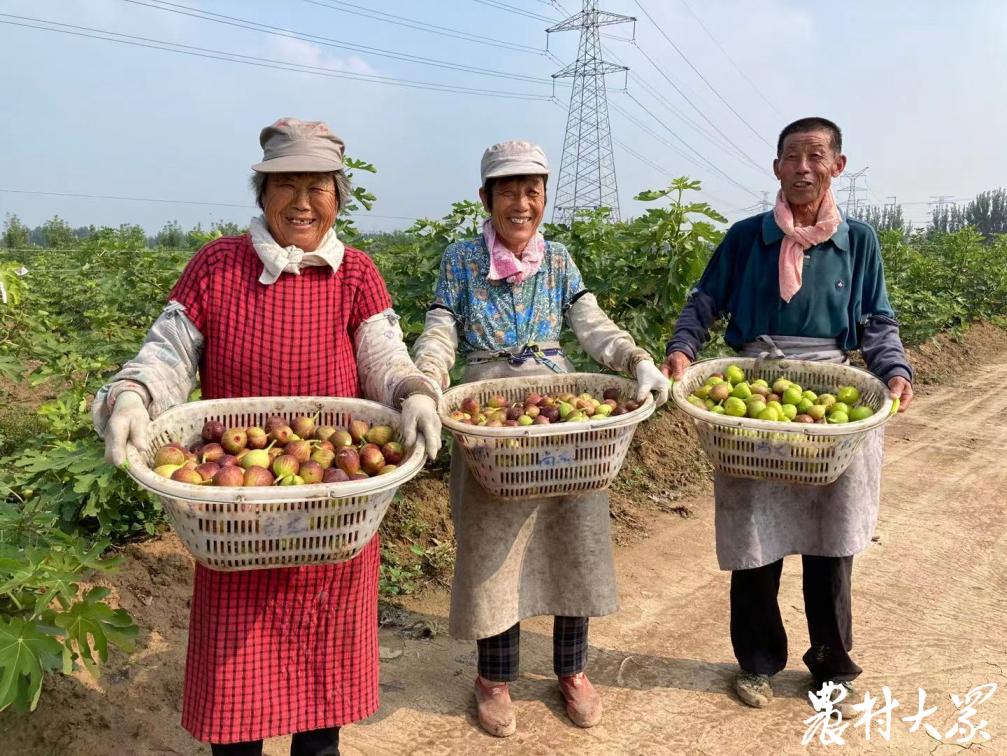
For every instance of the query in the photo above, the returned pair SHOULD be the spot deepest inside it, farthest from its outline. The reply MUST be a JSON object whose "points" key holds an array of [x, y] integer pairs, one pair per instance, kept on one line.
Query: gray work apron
{"points": [[760, 521], [519, 559]]}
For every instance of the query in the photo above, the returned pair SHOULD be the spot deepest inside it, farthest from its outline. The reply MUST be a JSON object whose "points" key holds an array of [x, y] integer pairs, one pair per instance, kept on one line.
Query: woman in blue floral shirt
{"points": [[498, 296]]}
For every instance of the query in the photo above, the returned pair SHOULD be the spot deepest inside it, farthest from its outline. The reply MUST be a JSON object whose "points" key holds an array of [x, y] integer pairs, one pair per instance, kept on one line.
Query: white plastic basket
{"points": [[545, 460], [271, 526], [807, 453]]}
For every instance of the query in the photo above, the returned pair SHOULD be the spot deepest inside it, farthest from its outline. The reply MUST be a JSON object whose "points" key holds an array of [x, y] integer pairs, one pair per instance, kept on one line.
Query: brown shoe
{"points": [[755, 690], [583, 704], [494, 707]]}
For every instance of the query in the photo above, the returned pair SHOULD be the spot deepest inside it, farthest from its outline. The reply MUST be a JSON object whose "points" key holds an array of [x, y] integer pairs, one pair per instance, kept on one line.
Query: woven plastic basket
{"points": [[271, 526], [806, 453], [545, 460]]}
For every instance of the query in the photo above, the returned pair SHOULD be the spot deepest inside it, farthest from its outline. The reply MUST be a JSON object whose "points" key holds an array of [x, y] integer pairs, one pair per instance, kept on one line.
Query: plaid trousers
{"points": [[500, 655]]}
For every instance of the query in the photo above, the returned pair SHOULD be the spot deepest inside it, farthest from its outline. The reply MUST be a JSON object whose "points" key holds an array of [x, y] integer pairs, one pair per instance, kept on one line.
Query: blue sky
{"points": [[920, 89]]}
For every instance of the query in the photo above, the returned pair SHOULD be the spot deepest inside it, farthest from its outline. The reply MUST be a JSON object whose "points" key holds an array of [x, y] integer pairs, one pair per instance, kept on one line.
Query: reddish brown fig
{"points": [[207, 470], [371, 459], [258, 476], [169, 455], [212, 452], [358, 429], [334, 475], [257, 437], [311, 472], [348, 460], [212, 431], [229, 475], [393, 452], [187, 475]]}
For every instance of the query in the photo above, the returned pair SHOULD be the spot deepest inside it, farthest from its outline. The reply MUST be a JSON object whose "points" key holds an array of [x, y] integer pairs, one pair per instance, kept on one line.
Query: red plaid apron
{"points": [[286, 650]]}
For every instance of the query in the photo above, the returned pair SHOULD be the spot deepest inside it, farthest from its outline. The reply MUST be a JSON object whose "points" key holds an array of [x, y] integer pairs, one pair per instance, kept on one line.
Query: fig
{"points": [[303, 426], [387, 469], [311, 472], [327, 446], [187, 475], [803, 419], [817, 412], [227, 459], [341, 438], [611, 393], [348, 460], [469, 405], [207, 470], [334, 475], [166, 471], [301, 450], [541, 420], [292, 480], [274, 452], [281, 434], [323, 457], [380, 435], [257, 476], [359, 475], [285, 465], [273, 422], [212, 452], [393, 452], [212, 431], [848, 395], [229, 475], [169, 455], [534, 399], [524, 420], [371, 459], [358, 429], [498, 401], [233, 440], [532, 410], [720, 392], [734, 375], [860, 413], [255, 458], [257, 437], [325, 432]]}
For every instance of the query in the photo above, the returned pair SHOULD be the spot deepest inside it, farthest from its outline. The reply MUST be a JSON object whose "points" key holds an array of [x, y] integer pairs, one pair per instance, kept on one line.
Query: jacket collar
{"points": [[773, 234]]}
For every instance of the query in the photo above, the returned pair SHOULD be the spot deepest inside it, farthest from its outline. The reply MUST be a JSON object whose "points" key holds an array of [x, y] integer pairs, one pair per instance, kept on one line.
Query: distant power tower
{"points": [[852, 190], [587, 169]]}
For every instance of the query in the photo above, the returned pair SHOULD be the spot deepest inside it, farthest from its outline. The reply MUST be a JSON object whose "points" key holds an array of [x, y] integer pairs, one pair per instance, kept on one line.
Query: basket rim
{"points": [[879, 418], [638, 415], [192, 492]]}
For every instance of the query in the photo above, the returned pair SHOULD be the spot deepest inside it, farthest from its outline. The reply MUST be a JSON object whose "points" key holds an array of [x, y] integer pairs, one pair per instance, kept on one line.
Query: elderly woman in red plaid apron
{"points": [[286, 309]]}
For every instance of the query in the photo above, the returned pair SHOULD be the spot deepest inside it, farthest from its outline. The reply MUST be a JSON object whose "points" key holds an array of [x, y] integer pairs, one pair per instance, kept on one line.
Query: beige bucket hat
{"points": [[293, 146], [513, 158]]}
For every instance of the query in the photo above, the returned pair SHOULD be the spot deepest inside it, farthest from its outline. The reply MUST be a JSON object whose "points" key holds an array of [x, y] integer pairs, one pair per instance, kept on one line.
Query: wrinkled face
{"points": [[517, 209], [300, 208], [806, 166]]}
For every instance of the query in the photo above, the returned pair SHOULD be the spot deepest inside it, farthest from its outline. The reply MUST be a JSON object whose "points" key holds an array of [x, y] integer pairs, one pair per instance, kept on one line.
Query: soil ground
{"points": [[930, 603]]}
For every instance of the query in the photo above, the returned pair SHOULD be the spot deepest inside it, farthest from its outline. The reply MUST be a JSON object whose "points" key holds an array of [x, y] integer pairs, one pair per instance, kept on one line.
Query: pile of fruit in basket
{"points": [[730, 393], [281, 453], [539, 409]]}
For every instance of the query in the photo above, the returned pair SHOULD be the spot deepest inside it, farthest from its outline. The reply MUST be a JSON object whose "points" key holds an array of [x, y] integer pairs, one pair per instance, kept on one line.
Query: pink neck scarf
{"points": [[505, 265], [796, 239]]}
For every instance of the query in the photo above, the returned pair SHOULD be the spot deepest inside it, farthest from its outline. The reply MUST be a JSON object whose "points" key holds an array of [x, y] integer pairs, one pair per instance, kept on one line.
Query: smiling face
{"points": [[516, 207], [806, 166], [300, 208]]}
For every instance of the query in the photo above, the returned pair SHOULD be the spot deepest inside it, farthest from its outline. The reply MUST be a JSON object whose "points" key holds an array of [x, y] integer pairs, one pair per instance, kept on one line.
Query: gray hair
{"points": [[344, 190]]}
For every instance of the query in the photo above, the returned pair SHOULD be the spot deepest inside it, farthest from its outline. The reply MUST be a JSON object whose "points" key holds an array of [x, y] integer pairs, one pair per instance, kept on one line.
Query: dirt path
{"points": [[930, 604]]}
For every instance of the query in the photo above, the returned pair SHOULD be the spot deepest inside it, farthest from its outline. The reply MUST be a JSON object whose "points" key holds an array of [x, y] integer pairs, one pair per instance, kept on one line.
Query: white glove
{"points": [[419, 413], [128, 422], [648, 379]]}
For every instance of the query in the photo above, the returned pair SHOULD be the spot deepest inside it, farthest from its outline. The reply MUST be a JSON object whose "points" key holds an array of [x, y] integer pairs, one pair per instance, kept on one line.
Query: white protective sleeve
{"points": [[435, 349], [386, 372], [165, 368], [603, 340]]}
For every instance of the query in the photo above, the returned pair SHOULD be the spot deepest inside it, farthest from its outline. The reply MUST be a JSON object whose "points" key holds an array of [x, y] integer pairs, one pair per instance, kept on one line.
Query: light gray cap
{"points": [[293, 146], [513, 158]]}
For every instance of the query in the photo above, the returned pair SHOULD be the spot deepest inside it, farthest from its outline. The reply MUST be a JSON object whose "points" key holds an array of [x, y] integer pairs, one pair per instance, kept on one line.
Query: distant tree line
{"points": [[56, 233], [986, 213]]}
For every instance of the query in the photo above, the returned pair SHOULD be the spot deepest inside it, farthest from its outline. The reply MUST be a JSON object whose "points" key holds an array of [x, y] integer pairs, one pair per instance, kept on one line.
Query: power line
{"points": [[708, 163], [695, 107], [515, 10], [241, 23], [737, 68], [257, 61], [654, 92], [700, 75], [412, 23]]}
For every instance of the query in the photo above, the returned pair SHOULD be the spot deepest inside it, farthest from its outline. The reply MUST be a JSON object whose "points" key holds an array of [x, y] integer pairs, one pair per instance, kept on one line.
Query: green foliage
{"points": [[16, 234], [642, 271]]}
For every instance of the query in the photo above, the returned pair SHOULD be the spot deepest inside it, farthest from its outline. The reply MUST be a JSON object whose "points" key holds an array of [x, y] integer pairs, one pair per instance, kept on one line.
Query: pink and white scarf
{"points": [[505, 265], [796, 239]]}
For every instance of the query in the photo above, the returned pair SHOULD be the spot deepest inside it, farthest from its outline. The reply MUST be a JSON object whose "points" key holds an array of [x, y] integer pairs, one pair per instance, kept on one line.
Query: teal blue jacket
{"points": [[842, 296]]}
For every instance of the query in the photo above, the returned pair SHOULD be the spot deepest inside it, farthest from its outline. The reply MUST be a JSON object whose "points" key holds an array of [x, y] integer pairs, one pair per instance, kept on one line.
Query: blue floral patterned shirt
{"points": [[495, 315]]}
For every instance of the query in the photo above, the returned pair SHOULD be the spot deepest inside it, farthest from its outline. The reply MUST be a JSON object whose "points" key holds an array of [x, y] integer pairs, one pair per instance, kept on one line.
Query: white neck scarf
{"points": [[277, 260]]}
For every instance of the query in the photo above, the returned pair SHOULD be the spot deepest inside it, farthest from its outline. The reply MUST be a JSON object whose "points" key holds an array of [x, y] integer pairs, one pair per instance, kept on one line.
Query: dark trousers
{"points": [[500, 655], [757, 633], [323, 742]]}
